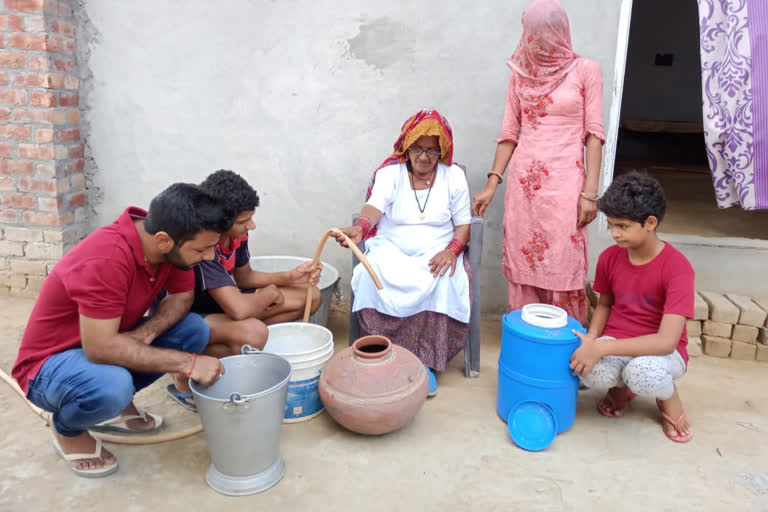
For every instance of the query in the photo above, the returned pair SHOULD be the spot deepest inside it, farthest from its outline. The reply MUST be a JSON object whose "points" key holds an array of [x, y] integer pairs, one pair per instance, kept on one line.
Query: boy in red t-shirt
{"points": [[636, 343]]}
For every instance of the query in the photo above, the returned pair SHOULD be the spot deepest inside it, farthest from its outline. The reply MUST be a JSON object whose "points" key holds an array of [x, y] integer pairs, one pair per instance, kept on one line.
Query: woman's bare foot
{"points": [[84, 443], [673, 409], [615, 402]]}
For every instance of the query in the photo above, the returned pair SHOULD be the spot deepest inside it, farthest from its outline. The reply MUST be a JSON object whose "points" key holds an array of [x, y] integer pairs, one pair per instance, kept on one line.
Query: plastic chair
{"points": [[473, 251]]}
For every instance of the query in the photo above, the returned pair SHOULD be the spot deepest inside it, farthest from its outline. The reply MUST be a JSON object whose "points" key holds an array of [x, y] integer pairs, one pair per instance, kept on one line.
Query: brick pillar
{"points": [[42, 182]]}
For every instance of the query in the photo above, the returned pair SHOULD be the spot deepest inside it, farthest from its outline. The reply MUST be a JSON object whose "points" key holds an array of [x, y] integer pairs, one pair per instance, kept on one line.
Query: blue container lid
{"points": [[532, 425]]}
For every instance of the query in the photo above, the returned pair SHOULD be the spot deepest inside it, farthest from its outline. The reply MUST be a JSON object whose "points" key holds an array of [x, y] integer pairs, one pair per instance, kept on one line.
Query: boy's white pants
{"points": [[644, 375]]}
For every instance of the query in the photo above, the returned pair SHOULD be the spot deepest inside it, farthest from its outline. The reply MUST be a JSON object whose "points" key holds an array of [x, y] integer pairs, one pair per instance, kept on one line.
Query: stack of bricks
{"points": [[42, 182], [727, 325], [732, 326]]}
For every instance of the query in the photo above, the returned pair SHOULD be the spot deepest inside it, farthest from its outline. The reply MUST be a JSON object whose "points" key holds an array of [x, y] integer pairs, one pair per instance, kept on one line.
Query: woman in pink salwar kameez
{"points": [[553, 110]]}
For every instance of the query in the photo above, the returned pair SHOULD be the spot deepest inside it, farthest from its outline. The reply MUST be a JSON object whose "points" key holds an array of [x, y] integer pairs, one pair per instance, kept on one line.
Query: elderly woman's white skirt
{"points": [[409, 286]]}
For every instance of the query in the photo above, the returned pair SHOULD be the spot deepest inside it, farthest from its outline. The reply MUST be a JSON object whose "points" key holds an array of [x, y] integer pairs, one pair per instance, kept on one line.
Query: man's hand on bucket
{"points": [[207, 370]]}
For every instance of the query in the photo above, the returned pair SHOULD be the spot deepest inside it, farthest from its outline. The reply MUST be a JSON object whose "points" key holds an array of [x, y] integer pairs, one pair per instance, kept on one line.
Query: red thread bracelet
{"points": [[194, 360]]}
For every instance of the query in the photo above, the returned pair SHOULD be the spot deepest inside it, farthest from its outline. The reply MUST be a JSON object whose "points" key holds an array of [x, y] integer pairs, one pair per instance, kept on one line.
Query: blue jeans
{"points": [[81, 394]]}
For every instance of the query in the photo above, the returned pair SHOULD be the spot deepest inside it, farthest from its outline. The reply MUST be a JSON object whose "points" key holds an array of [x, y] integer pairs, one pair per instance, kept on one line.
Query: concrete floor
{"points": [[456, 455]]}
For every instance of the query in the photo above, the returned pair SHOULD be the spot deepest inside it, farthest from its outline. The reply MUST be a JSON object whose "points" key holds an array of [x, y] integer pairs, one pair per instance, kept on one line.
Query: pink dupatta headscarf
{"points": [[544, 56], [422, 123]]}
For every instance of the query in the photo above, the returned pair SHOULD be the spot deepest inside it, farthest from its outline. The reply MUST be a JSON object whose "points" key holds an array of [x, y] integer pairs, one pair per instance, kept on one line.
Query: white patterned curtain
{"points": [[735, 84]]}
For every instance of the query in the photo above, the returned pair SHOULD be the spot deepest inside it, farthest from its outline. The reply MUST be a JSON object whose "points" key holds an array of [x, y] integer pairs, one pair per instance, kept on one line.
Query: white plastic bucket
{"points": [[308, 347]]}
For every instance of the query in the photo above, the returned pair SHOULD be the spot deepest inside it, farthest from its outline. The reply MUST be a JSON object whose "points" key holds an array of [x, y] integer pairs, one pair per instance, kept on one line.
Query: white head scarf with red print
{"points": [[544, 56]]}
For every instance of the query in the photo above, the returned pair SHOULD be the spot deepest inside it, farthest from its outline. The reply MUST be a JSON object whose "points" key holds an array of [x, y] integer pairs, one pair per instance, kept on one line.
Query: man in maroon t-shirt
{"points": [[87, 348], [636, 343]]}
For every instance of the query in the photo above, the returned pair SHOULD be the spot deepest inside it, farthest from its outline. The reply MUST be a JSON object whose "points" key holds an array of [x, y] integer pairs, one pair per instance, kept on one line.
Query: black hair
{"points": [[183, 210], [635, 196], [231, 188]]}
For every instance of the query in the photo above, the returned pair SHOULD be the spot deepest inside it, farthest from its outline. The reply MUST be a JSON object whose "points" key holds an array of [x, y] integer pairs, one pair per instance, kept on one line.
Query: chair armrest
{"points": [[472, 344], [476, 242]]}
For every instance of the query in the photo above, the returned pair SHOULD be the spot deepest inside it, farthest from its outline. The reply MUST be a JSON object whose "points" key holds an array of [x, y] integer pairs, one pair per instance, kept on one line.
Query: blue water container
{"points": [[537, 391]]}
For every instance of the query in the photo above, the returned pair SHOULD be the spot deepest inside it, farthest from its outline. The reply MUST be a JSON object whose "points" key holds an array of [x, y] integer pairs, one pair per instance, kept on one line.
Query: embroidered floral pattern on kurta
{"points": [[570, 301], [534, 250], [537, 113], [531, 182], [577, 238]]}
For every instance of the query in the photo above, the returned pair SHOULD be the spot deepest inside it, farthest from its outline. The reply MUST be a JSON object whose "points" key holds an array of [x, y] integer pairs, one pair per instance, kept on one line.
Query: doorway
{"points": [[660, 128]]}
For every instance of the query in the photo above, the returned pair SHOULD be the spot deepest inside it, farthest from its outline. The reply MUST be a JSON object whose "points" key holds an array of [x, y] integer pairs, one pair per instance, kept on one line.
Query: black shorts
{"points": [[205, 305]]}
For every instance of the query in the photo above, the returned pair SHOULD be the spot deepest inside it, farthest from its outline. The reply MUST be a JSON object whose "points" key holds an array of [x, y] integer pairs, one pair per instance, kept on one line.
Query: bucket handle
{"points": [[237, 399], [248, 350]]}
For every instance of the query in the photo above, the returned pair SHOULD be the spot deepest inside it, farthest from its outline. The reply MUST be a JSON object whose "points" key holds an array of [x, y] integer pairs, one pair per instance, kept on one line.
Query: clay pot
{"points": [[374, 386]]}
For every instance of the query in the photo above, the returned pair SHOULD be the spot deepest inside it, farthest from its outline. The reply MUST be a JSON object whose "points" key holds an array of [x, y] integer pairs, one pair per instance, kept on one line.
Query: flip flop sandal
{"points": [[678, 438], [101, 472], [613, 406], [114, 425], [180, 397]]}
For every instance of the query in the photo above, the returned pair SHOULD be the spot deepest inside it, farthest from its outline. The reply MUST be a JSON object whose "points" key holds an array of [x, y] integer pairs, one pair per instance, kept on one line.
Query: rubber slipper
{"points": [[432, 390], [678, 438], [101, 472], [119, 424], [181, 397]]}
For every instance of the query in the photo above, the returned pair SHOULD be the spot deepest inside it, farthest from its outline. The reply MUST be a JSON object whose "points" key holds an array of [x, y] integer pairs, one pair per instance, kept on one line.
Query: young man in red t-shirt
{"points": [[636, 343], [87, 347]]}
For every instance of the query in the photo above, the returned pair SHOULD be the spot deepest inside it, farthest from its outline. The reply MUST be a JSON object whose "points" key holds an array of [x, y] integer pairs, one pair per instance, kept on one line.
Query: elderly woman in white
{"points": [[416, 222]]}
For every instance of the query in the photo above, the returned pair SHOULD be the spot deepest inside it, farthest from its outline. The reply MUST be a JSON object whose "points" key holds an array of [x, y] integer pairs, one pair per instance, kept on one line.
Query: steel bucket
{"points": [[329, 280], [242, 414]]}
